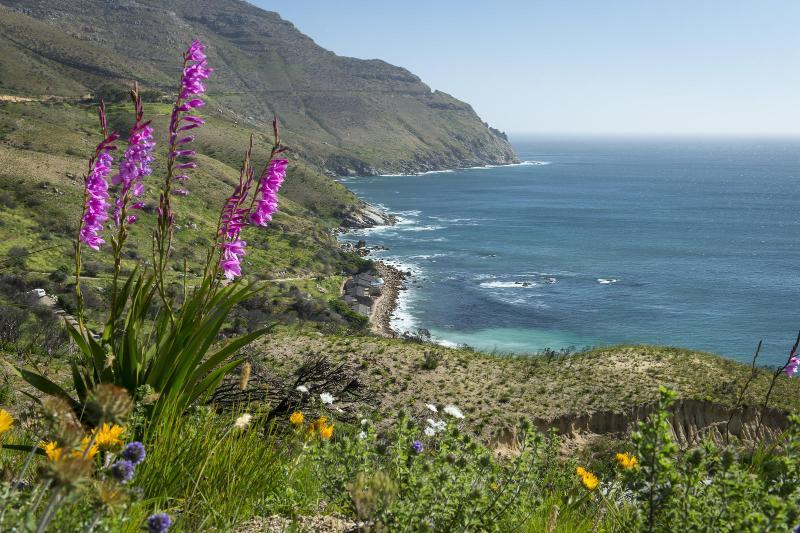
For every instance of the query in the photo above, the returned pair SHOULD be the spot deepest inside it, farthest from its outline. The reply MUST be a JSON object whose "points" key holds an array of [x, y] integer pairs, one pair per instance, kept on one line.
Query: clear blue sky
{"points": [[593, 67]]}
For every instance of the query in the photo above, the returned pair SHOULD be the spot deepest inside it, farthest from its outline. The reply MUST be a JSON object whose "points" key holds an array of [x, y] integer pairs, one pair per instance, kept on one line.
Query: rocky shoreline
{"points": [[385, 305]]}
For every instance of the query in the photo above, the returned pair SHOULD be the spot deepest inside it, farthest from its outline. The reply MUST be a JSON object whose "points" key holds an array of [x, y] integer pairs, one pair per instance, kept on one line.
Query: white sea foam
{"points": [[447, 171], [520, 164], [604, 281], [436, 172], [431, 227], [509, 284], [427, 257]]}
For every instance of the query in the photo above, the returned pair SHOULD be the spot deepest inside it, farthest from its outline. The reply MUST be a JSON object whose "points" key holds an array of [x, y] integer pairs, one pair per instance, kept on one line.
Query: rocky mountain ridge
{"points": [[346, 116]]}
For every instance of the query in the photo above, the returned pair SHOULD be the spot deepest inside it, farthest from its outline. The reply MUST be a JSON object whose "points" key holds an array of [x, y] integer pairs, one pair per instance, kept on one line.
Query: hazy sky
{"points": [[563, 66]]}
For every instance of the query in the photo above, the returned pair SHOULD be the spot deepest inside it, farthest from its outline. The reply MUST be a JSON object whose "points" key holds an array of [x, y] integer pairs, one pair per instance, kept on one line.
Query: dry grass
{"points": [[496, 392]]}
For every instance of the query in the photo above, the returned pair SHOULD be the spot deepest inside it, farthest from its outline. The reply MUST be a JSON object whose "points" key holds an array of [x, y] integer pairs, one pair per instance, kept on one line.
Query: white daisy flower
{"points": [[454, 411], [431, 407], [362, 435], [429, 431], [327, 398], [437, 426], [243, 421], [302, 388], [364, 421]]}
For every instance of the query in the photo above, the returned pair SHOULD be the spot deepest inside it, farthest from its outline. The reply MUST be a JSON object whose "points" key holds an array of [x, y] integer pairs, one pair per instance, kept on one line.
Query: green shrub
{"points": [[356, 320]]}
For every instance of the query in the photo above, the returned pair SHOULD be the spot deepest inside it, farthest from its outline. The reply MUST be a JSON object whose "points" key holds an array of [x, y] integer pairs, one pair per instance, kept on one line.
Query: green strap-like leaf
{"points": [[46, 386]]}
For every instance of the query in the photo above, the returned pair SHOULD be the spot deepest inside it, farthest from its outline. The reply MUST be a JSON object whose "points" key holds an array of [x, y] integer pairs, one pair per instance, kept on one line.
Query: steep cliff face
{"points": [[347, 116]]}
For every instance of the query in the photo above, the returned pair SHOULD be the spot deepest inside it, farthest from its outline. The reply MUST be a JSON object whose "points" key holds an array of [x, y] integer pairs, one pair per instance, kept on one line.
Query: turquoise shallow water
{"points": [[686, 242]]}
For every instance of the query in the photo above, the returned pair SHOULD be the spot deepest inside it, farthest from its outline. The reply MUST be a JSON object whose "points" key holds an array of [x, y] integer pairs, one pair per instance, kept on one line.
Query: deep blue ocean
{"points": [[685, 242]]}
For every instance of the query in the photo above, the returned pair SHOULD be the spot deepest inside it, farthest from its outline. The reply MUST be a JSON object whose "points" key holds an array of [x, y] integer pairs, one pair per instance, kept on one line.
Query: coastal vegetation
{"points": [[209, 377]]}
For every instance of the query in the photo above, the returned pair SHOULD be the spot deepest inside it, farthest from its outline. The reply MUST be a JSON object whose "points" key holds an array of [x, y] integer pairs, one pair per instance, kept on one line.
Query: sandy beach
{"points": [[385, 304]]}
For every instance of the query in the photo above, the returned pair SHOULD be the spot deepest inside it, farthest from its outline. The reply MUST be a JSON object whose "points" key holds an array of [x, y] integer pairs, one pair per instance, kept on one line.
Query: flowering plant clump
{"points": [[456, 484], [183, 366], [152, 339]]}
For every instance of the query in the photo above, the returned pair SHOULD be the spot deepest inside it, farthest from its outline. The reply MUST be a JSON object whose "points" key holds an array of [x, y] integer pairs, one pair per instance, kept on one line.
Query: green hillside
{"points": [[344, 115]]}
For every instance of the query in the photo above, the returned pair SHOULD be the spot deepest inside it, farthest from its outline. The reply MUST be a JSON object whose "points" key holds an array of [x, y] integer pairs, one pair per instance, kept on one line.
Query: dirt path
{"points": [[44, 98]]}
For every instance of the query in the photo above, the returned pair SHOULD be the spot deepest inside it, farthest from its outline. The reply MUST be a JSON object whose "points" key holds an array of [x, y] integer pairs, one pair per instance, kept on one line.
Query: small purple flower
{"points": [[134, 452], [159, 523], [417, 446], [123, 470]]}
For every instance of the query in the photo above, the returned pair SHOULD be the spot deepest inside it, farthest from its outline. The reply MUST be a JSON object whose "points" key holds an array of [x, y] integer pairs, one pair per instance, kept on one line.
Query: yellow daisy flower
{"points": [[297, 418], [319, 423], [588, 479], [52, 450], [108, 436], [78, 453], [326, 432], [6, 421], [626, 461]]}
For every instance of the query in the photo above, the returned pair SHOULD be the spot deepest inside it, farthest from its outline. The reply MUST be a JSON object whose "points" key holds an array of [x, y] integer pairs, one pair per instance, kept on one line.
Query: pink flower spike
{"points": [[191, 104], [186, 165], [182, 177], [181, 192], [792, 366], [194, 120]]}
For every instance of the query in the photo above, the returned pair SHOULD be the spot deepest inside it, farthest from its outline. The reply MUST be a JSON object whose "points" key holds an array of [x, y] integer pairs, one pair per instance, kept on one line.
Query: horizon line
{"points": [[730, 135]]}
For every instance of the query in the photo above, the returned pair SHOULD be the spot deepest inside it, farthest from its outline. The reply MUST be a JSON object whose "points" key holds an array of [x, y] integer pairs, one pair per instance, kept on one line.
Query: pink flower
{"points": [[135, 165], [792, 366], [271, 182], [232, 253], [195, 72], [96, 192]]}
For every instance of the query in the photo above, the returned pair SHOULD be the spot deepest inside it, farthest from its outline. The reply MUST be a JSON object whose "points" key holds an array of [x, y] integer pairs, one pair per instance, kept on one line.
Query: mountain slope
{"points": [[345, 115]]}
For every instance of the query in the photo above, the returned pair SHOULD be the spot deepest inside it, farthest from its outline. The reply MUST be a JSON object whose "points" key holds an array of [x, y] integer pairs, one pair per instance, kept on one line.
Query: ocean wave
{"points": [[427, 256], [606, 281], [447, 171], [520, 164], [408, 213], [431, 227], [509, 284]]}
